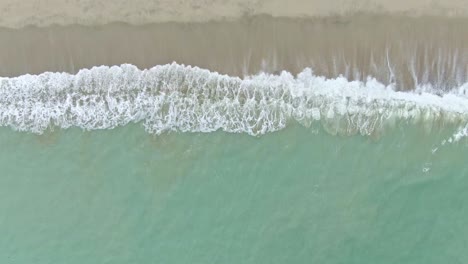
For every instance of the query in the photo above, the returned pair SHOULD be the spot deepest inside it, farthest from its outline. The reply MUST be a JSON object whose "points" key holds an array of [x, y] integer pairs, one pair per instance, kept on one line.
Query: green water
{"points": [[295, 196]]}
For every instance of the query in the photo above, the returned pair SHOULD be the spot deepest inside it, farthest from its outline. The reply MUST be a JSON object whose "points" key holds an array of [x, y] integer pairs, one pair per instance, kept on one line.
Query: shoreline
{"points": [[409, 50], [182, 98]]}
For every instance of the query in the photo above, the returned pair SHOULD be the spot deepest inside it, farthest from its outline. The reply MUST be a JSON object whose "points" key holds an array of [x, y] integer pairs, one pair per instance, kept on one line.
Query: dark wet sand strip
{"points": [[392, 48]]}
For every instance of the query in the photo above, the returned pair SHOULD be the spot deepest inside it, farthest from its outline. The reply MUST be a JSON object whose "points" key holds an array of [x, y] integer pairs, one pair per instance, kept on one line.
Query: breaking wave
{"points": [[175, 97]]}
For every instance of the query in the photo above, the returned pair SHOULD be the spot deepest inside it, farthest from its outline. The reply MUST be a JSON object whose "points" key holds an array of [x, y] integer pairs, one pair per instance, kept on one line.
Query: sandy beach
{"points": [[407, 49], [395, 41], [14, 13]]}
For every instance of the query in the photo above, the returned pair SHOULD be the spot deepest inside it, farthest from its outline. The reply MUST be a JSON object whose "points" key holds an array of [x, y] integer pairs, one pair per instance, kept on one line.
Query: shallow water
{"points": [[298, 195]]}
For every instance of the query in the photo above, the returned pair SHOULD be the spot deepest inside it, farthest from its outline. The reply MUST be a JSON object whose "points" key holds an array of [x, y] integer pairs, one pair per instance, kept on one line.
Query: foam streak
{"points": [[189, 99]]}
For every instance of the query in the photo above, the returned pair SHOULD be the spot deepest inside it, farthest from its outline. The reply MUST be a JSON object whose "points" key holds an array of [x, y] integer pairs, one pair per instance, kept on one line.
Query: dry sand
{"points": [[409, 50], [19, 13]]}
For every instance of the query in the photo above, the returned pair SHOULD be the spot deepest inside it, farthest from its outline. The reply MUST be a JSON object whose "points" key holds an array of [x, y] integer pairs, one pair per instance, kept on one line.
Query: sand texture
{"points": [[15, 13], [402, 49]]}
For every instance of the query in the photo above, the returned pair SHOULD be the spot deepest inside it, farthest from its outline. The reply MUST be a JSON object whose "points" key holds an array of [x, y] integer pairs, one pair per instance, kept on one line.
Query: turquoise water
{"points": [[299, 195]]}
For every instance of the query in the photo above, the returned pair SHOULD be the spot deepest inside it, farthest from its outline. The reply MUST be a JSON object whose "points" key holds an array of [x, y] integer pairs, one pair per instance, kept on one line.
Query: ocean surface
{"points": [[295, 196], [182, 165], [348, 144]]}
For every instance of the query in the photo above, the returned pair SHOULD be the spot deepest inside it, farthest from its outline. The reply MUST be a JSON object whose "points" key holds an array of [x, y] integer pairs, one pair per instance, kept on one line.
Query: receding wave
{"points": [[175, 97]]}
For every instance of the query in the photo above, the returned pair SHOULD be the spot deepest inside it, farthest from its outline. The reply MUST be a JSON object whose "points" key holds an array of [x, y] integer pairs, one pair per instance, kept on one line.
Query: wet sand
{"points": [[402, 49]]}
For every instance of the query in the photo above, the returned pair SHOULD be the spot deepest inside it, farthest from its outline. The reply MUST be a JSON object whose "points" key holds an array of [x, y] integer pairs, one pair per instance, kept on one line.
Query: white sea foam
{"points": [[182, 98]]}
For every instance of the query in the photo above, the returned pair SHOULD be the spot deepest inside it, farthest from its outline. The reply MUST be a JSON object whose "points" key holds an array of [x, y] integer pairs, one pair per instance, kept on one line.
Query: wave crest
{"points": [[175, 97]]}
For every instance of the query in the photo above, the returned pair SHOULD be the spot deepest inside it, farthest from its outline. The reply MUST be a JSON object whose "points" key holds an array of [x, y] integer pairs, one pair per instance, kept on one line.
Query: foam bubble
{"points": [[175, 97]]}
